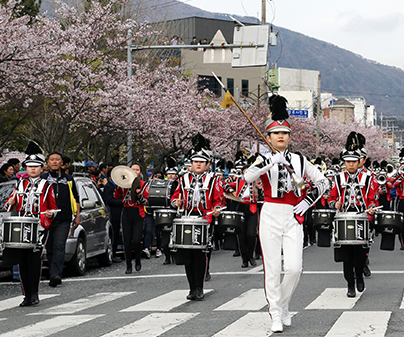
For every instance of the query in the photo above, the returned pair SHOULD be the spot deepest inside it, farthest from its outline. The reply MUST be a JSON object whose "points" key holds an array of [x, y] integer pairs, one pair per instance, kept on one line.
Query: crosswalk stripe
{"points": [[15, 301], [253, 299], [360, 323], [50, 326], [402, 304], [253, 323], [83, 303], [164, 302], [334, 298], [152, 325]]}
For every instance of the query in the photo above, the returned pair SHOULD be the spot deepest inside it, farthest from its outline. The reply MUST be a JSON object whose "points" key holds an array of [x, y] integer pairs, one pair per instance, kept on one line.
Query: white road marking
{"points": [[83, 303], [164, 302], [402, 304], [15, 301], [334, 298], [360, 323], [152, 325], [50, 326], [251, 300]]}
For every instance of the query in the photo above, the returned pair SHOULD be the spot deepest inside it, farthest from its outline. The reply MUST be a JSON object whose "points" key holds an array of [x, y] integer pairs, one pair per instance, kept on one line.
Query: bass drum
{"points": [[389, 222], [21, 232], [159, 193], [322, 223], [190, 233]]}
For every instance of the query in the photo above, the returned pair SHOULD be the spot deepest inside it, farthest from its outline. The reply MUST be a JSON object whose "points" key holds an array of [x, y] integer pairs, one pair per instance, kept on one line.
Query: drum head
{"points": [[134, 187]]}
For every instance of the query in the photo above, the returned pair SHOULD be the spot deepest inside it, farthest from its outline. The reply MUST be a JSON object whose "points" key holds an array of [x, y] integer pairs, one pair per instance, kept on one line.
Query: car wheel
{"points": [[105, 259], [77, 265]]}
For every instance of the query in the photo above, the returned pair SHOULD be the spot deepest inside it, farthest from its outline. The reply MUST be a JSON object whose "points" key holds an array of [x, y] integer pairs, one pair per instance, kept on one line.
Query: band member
{"points": [[132, 220], [33, 197], [398, 181], [353, 191], [384, 186], [247, 192], [201, 193], [282, 212]]}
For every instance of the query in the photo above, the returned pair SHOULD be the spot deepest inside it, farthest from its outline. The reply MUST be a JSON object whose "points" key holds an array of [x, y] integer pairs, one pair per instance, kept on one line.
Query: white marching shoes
{"points": [[277, 325], [286, 318]]}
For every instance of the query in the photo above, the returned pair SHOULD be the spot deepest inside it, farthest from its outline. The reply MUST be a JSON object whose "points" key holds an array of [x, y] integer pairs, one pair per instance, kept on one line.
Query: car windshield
{"points": [[87, 192], [5, 191]]}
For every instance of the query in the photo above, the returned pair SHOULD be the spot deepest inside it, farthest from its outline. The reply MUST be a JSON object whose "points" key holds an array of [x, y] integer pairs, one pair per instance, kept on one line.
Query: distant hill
{"points": [[342, 72]]}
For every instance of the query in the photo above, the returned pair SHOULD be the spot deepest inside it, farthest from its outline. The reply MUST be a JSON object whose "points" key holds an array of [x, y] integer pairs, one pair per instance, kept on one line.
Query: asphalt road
{"points": [[106, 302]]}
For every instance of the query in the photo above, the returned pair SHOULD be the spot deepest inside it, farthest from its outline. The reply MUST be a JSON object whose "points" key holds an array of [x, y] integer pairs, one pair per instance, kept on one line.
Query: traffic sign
{"points": [[149, 173], [299, 113]]}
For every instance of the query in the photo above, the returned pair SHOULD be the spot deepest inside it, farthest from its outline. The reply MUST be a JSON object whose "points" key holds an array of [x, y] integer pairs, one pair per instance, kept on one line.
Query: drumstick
{"points": [[219, 209], [9, 206], [178, 208], [52, 210], [375, 208]]}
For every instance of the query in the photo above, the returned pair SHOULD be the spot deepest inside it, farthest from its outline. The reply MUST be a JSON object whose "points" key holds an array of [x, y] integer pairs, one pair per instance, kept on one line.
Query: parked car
{"points": [[93, 236]]}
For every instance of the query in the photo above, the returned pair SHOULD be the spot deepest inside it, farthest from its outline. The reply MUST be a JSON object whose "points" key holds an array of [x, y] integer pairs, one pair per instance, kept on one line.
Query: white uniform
{"points": [[279, 228]]}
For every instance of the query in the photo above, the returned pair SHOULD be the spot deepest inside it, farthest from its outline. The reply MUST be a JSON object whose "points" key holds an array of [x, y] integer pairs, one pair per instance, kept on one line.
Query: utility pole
{"points": [[318, 115], [129, 136], [264, 12]]}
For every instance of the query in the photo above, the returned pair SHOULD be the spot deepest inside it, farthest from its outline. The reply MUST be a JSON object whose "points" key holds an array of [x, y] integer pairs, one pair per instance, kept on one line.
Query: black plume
{"points": [[251, 159], [33, 147], [240, 155], [375, 164], [317, 161], [277, 105], [335, 161], [171, 162], [368, 162], [229, 165], [352, 142], [383, 164], [362, 140], [199, 142], [401, 153], [221, 164]]}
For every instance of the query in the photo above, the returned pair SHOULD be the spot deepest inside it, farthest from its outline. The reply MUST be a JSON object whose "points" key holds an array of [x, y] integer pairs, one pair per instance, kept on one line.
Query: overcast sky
{"points": [[371, 28]]}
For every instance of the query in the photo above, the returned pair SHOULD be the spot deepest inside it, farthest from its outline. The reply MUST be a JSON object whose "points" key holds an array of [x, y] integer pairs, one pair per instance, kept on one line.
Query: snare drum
{"points": [[21, 232], [159, 193], [351, 229], [389, 222], [323, 218], [230, 222], [189, 233], [163, 218]]}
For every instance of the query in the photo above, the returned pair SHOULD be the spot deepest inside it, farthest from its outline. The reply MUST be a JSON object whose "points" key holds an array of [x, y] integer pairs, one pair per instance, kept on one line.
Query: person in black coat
{"points": [[115, 206]]}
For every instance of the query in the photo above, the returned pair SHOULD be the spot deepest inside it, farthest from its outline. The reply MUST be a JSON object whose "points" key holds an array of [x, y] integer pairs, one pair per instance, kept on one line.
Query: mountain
{"points": [[342, 72]]}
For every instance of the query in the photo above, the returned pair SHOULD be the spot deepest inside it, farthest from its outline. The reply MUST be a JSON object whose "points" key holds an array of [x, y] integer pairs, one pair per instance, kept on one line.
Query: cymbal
{"points": [[232, 197], [123, 176], [135, 185]]}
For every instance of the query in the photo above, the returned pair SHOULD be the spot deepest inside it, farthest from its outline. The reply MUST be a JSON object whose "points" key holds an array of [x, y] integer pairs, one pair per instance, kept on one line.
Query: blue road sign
{"points": [[299, 113]]}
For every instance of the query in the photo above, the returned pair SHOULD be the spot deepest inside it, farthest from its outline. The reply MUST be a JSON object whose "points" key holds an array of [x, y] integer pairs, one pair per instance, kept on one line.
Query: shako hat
{"points": [[278, 119], [201, 148], [34, 155], [352, 150], [170, 166]]}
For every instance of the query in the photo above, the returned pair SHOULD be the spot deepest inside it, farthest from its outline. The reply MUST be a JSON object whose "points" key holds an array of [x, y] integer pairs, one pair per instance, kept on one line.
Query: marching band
{"points": [[347, 204]]}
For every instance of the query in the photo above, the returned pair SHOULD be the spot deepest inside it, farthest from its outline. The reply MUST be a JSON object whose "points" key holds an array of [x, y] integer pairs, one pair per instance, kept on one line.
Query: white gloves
{"points": [[301, 207], [279, 158]]}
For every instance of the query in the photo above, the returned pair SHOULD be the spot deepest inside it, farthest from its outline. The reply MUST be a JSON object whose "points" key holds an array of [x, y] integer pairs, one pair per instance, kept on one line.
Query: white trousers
{"points": [[279, 231]]}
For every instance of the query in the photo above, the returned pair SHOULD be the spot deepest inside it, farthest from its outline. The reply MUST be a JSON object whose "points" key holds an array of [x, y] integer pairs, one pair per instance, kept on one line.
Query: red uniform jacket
{"points": [[42, 200], [365, 183], [124, 195], [210, 193], [240, 187]]}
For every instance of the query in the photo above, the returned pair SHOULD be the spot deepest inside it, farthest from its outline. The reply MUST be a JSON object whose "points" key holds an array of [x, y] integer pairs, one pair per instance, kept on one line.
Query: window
{"points": [[244, 87], [209, 82], [230, 85]]}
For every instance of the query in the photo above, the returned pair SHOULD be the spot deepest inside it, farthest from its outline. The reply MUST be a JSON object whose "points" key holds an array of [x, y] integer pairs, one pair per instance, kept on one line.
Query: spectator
{"points": [[90, 168], [199, 44], [110, 165], [103, 170], [174, 40], [115, 206], [16, 165], [7, 173], [180, 41], [67, 200], [166, 40], [205, 41], [66, 164], [194, 42]]}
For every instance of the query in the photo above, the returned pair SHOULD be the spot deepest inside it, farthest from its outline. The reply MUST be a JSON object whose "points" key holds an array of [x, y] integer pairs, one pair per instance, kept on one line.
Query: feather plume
{"points": [[383, 164], [33, 147], [199, 142], [335, 161], [277, 105], [352, 142], [362, 140], [229, 165], [401, 155]]}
